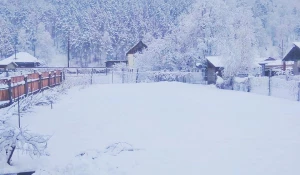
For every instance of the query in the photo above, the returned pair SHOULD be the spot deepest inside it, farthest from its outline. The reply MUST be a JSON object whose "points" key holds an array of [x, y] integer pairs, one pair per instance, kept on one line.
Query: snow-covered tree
{"points": [[14, 138], [239, 49], [98, 30]]}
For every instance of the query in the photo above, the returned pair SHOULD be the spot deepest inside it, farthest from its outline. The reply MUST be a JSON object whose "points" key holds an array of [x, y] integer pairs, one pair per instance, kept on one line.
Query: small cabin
{"points": [[22, 60], [138, 48], [214, 68], [294, 55], [6, 66]]}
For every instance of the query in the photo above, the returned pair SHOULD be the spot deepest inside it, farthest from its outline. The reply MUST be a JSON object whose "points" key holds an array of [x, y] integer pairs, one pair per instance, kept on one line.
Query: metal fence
{"points": [[115, 76], [287, 87]]}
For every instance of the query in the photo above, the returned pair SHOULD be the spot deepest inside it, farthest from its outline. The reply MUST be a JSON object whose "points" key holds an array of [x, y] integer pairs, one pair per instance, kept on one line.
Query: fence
{"points": [[277, 86], [115, 76], [24, 85]]}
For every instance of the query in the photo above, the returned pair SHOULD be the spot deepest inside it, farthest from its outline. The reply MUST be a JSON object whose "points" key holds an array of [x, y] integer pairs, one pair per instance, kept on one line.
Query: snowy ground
{"points": [[172, 128]]}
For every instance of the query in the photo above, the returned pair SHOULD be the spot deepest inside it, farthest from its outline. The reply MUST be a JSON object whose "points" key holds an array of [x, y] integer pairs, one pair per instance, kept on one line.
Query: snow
{"points": [[215, 60], [165, 128], [297, 44], [3, 102], [280, 87], [277, 62], [59, 60], [240, 80], [219, 80], [21, 57], [3, 86]]}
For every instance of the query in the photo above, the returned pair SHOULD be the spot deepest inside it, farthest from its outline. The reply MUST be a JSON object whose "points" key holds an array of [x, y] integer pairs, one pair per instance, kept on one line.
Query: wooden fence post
{"points": [[249, 85], [123, 76], [10, 92], [270, 71], [26, 85], [49, 80], [64, 76], [137, 76], [92, 76], [61, 77], [40, 82]]}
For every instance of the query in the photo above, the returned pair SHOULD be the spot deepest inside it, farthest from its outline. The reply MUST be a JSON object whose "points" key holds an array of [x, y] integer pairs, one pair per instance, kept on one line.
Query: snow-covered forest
{"points": [[178, 32]]}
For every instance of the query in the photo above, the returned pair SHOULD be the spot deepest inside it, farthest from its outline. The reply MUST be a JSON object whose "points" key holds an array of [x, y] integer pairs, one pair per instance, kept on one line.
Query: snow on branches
{"points": [[13, 138]]}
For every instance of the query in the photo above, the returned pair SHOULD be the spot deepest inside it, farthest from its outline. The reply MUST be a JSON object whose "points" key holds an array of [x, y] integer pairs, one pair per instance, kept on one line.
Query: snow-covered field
{"points": [[165, 128]]}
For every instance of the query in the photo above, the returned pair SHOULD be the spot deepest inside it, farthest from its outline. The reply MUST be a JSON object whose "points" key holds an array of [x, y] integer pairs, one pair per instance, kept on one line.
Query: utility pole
{"points": [[19, 115], [15, 46], [284, 64], [15, 52], [18, 96], [69, 49]]}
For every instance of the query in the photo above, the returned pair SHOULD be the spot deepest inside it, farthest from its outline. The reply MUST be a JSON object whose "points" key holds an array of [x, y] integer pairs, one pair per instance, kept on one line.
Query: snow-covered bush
{"points": [[18, 138], [241, 84], [13, 138], [224, 83], [220, 82]]}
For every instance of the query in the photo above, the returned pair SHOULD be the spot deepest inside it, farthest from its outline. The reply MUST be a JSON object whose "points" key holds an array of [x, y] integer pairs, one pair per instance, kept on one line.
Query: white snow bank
{"points": [[178, 128]]}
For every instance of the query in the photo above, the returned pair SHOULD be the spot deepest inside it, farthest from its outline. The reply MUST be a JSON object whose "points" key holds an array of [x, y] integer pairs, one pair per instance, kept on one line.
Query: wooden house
{"points": [[6, 66], [214, 68], [294, 55], [22, 60], [272, 65], [138, 48]]}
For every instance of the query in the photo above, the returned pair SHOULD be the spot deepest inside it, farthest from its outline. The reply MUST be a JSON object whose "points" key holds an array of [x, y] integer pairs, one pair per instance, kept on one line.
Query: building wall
{"points": [[10, 66], [211, 75], [130, 58], [296, 68], [26, 64]]}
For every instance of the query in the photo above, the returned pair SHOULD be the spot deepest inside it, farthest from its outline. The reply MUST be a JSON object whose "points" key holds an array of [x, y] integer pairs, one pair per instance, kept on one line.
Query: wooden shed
{"points": [[22, 60], [7, 66], [138, 48], [294, 55], [214, 68]]}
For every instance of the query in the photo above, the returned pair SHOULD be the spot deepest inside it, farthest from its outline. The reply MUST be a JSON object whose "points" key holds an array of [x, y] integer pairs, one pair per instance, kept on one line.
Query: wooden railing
{"points": [[21, 86]]}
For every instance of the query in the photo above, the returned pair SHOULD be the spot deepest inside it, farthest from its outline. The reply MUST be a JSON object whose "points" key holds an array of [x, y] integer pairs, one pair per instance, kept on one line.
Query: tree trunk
{"points": [[10, 155]]}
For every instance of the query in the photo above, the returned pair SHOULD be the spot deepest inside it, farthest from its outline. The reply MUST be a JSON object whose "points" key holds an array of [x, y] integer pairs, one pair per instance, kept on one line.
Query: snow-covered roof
{"points": [[7, 63], [297, 44], [23, 57], [215, 60], [276, 62], [198, 64]]}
